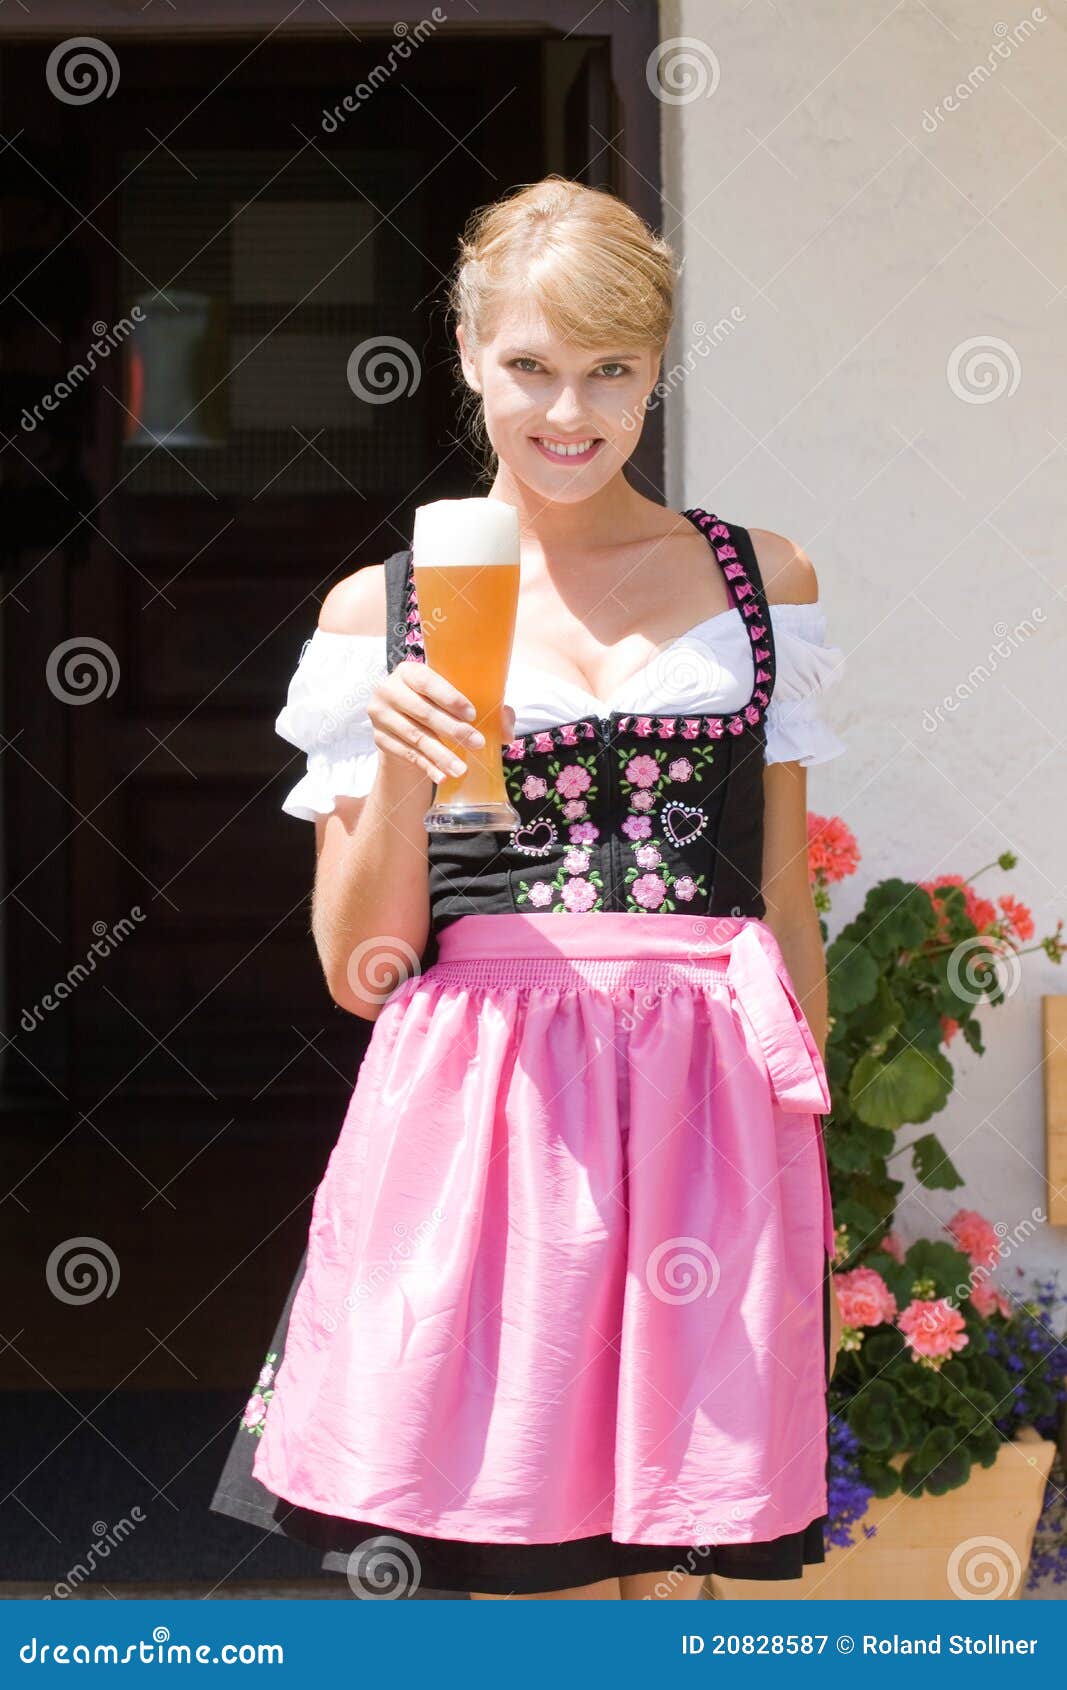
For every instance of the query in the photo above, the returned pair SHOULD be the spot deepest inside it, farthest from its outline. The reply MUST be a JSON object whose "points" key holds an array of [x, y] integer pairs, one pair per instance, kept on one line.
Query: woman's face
{"points": [[542, 395]]}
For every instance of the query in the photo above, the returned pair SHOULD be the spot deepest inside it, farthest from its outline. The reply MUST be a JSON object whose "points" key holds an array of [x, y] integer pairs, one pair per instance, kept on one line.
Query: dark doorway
{"points": [[173, 1071], [265, 230]]}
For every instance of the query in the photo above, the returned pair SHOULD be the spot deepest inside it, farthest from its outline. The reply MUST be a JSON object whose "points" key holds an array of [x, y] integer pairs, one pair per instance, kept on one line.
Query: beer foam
{"points": [[452, 532]]}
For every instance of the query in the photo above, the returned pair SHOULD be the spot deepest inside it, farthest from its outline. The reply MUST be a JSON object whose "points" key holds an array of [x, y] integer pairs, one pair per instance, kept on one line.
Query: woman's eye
{"points": [[623, 369], [515, 362]]}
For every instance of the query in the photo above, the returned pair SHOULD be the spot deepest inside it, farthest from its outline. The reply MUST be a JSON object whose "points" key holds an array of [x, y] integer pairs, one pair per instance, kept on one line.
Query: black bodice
{"points": [[619, 812]]}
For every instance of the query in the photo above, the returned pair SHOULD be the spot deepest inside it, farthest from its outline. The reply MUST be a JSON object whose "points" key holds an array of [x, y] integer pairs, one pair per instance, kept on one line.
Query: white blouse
{"points": [[706, 671]]}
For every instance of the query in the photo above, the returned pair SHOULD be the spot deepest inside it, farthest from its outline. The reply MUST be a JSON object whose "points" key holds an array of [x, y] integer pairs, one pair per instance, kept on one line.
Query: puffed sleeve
{"points": [[806, 665], [325, 715]]}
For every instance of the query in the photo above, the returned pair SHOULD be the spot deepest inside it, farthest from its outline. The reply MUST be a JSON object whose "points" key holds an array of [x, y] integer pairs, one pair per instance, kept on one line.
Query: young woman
{"points": [[562, 1325]]}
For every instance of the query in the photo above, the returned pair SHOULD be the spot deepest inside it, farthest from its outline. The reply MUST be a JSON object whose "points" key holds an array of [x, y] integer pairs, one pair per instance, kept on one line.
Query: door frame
{"points": [[629, 164]]}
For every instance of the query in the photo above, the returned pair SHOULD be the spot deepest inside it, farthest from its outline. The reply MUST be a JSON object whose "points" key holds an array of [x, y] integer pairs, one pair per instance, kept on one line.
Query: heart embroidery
{"points": [[682, 822], [536, 840]]}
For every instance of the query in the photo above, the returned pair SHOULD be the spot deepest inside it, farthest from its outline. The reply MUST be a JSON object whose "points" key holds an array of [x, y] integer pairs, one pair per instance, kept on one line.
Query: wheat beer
{"points": [[466, 564]]}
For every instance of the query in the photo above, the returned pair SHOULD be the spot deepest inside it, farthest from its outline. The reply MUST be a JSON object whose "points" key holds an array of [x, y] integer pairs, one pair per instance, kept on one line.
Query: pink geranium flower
{"points": [[934, 1330], [864, 1298], [893, 1247], [975, 1236], [986, 1297]]}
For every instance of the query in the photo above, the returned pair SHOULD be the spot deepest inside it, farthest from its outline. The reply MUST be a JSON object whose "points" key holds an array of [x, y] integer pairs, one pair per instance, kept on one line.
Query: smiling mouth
{"points": [[569, 451]]}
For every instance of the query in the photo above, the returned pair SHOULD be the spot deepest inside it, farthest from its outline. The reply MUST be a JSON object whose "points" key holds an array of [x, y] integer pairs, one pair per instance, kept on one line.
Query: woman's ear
{"points": [[470, 373]]}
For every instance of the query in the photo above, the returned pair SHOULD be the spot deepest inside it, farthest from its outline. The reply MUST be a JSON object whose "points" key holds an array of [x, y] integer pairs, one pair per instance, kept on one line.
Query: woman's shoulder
{"points": [[788, 573], [356, 604]]}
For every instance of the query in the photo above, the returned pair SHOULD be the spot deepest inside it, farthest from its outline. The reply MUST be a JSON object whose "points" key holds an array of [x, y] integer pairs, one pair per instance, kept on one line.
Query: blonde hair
{"points": [[580, 256]]}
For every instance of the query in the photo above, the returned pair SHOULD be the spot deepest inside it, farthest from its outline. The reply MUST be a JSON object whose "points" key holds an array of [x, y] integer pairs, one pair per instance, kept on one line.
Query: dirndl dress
{"points": [[566, 1280]]}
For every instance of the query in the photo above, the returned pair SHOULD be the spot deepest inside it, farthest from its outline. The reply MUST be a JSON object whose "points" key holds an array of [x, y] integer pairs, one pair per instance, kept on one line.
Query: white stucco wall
{"points": [[862, 233]]}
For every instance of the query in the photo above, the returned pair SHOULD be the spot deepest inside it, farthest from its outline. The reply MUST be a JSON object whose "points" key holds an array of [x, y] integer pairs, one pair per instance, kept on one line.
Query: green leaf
{"points": [[873, 1418], [900, 917], [852, 975], [909, 1087], [883, 1479], [933, 1167]]}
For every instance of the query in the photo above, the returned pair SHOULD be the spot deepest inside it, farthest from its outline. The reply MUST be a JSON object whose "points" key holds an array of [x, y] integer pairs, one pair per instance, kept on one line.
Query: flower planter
{"points": [[973, 1543]]}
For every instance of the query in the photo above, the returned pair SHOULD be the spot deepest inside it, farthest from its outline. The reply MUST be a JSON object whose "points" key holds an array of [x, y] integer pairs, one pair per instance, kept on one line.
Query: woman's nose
{"points": [[565, 409]]}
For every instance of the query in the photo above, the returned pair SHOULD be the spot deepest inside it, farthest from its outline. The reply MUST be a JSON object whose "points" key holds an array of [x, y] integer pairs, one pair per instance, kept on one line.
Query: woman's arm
{"points": [[789, 576], [370, 911]]}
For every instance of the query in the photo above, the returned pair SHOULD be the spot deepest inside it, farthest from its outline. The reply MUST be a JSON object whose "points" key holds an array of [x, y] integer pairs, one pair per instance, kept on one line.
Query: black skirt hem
{"points": [[454, 1565]]}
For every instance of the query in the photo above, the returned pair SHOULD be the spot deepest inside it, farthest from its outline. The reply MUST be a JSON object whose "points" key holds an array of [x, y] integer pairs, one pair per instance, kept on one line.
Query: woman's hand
{"points": [[413, 706]]}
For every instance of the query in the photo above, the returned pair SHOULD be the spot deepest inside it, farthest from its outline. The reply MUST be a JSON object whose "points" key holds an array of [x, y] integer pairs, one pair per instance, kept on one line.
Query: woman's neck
{"points": [[554, 528]]}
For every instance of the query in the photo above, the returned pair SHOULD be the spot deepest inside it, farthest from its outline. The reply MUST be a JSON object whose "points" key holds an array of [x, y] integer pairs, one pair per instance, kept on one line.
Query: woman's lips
{"points": [[567, 457]]}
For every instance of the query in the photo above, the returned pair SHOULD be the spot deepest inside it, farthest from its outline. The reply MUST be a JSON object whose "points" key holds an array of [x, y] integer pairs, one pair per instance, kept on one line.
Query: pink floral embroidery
{"points": [[534, 787], [680, 769], [649, 891], [584, 833], [685, 887], [540, 894], [643, 800], [575, 807], [573, 780], [648, 856], [579, 895], [576, 860], [255, 1409], [637, 827], [642, 771]]}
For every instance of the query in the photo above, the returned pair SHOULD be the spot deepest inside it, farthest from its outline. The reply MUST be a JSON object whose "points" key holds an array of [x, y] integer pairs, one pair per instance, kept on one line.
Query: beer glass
{"points": [[465, 554]]}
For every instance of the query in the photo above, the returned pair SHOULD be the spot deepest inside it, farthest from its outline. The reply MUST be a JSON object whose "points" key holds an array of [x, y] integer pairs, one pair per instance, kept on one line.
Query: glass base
{"points": [[470, 818]]}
